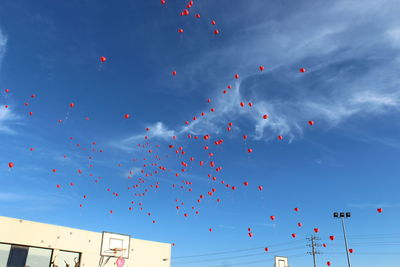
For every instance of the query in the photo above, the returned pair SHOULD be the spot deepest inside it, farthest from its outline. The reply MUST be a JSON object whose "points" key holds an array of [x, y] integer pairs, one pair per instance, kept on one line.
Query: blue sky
{"points": [[346, 161]]}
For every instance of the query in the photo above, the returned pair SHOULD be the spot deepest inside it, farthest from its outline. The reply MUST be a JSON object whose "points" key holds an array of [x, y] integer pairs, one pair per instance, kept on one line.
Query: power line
{"points": [[254, 262], [368, 253], [238, 250], [235, 257]]}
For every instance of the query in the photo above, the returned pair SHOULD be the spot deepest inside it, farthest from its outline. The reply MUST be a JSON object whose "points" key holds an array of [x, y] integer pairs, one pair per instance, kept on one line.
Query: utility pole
{"points": [[343, 215], [313, 246]]}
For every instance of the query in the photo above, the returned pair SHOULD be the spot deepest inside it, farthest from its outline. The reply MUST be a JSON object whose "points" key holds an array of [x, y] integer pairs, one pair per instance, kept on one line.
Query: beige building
{"points": [[32, 244]]}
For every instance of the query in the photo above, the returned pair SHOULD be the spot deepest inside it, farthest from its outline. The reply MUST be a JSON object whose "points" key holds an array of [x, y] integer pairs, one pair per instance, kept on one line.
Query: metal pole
{"points": [[345, 242], [313, 250]]}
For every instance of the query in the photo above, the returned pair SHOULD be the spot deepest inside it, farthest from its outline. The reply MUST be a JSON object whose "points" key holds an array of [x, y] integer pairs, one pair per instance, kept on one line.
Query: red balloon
{"points": [[316, 230], [216, 32], [126, 116], [210, 229], [379, 210], [250, 234], [249, 150], [266, 249], [260, 187], [212, 110], [103, 59], [351, 250], [11, 164], [332, 237], [241, 104], [265, 117], [198, 16], [54, 170], [213, 22], [244, 137], [311, 122], [30, 113], [7, 90], [324, 245], [272, 218], [58, 186], [299, 224], [180, 30], [162, 2], [236, 76], [174, 73], [280, 137], [250, 104], [246, 183], [262, 68], [328, 263], [302, 70], [72, 105], [296, 209], [294, 235]]}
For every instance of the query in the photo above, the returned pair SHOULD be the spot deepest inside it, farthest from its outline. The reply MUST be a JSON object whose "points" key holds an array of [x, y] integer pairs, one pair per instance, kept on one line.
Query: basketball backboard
{"points": [[115, 245], [281, 261]]}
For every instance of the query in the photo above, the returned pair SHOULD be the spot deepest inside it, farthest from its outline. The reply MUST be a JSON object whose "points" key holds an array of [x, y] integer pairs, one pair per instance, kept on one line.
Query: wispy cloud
{"points": [[352, 67], [3, 46], [350, 70], [35, 202], [13, 197], [7, 117], [156, 130]]}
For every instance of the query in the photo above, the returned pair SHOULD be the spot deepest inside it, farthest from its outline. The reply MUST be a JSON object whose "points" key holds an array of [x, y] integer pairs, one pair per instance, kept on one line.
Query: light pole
{"points": [[343, 215]]}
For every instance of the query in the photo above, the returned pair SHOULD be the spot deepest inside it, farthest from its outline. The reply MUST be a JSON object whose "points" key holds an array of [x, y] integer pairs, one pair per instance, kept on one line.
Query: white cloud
{"points": [[7, 117], [346, 48], [394, 36], [3, 46], [156, 130]]}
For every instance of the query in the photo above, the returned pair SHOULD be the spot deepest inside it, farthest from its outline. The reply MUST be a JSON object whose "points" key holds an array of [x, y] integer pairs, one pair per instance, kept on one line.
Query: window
{"points": [[23, 256], [17, 256], [4, 252], [68, 259], [38, 257]]}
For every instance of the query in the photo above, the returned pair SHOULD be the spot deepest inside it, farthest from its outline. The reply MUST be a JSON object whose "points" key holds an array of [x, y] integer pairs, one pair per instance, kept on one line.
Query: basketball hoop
{"points": [[114, 246], [115, 250]]}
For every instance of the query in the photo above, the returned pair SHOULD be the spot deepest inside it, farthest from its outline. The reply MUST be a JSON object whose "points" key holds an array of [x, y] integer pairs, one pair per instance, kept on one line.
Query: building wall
{"points": [[142, 253]]}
